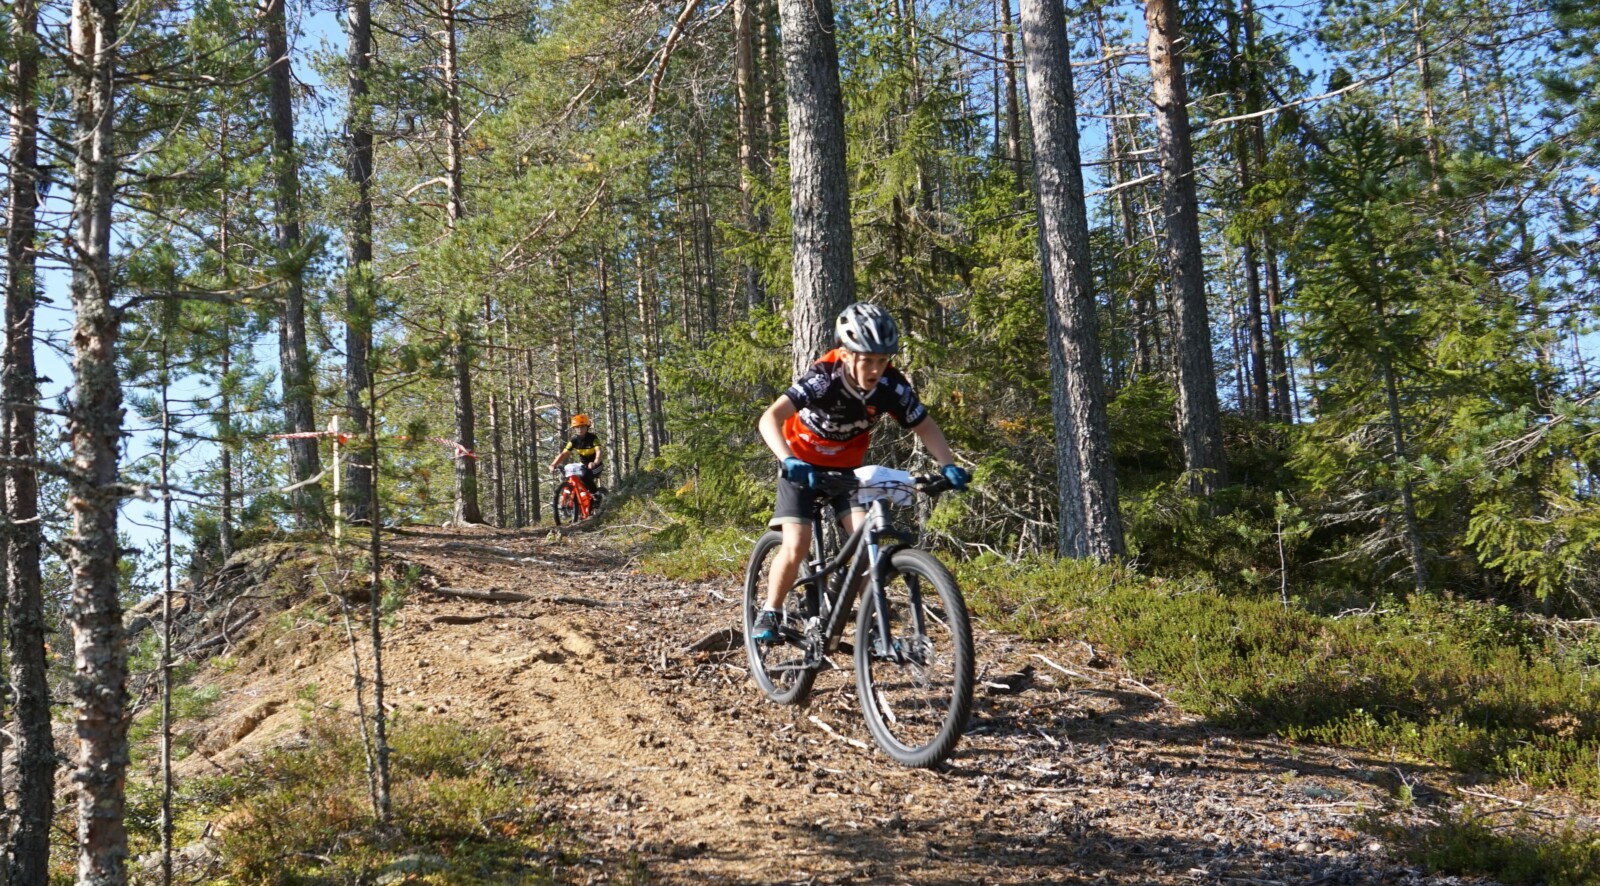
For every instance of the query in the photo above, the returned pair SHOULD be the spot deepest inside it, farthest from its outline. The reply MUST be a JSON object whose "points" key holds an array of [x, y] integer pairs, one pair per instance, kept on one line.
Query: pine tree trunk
{"points": [[1402, 466], [1199, 419], [535, 464], [497, 476], [359, 286], [467, 509], [647, 314], [380, 716], [225, 437], [1282, 401], [519, 470], [29, 838], [1282, 407], [1141, 298], [466, 466], [745, 91], [1236, 355], [613, 408], [771, 125], [294, 360], [1259, 406], [824, 263], [95, 428], [1008, 55], [1091, 525]]}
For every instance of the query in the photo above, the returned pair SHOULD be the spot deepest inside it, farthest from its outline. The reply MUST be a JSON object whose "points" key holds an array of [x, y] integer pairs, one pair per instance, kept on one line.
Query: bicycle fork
{"points": [[886, 645]]}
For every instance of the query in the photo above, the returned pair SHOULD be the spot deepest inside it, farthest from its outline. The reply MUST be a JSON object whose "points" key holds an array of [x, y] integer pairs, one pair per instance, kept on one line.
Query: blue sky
{"points": [[321, 30]]}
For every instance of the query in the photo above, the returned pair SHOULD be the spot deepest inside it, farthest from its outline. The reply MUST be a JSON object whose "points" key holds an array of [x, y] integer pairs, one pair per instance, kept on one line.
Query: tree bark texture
{"points": [[467, 508], [746, 92], [1013, 103], [1091, 525], [359, 289], [29, 849], [824, 265], [95, 427], [1199, 420], [1402, 467], [466, 466], [1282, 404], [294, 361], [647, 314], [615, 433], [535, 466]]}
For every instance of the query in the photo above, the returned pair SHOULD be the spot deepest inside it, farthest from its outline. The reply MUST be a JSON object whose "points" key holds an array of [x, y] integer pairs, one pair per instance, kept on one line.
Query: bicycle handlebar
{"points": [[838, 482]]}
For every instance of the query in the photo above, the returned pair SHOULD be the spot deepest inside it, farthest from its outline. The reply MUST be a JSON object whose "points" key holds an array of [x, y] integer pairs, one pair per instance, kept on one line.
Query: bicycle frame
{"points": [[582, 500], [864, 553]]}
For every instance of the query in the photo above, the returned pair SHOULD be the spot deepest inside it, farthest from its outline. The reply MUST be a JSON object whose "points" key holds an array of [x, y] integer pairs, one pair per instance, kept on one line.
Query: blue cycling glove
{"points": [[799, 473], [957, 476]]}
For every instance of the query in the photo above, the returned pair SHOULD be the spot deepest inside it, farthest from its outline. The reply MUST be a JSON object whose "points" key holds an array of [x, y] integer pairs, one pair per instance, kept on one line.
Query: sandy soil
{"points": [[1082, 777]]}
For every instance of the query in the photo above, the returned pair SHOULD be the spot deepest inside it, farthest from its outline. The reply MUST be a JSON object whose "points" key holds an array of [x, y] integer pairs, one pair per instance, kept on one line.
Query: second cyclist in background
{"points": [[585, 449]]}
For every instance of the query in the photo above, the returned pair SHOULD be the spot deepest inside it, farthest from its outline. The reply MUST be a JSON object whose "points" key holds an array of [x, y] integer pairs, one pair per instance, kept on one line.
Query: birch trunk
{"points": [[824, 269], [1091, 525], [95, 427]]}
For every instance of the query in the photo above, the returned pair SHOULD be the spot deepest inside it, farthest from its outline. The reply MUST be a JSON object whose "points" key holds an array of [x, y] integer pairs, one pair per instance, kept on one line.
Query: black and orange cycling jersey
{"points": [[585, 446], [833, 420]]}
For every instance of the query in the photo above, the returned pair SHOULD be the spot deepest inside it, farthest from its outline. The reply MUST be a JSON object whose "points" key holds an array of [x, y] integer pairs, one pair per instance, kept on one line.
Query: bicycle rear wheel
{"points": [[783, 669], [916, 689]]}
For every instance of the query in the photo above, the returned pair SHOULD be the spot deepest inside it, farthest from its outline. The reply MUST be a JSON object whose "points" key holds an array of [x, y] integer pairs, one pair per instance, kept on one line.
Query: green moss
{"points": [[304, 815], [1467, 685], [1515, 854], [692, 556]]}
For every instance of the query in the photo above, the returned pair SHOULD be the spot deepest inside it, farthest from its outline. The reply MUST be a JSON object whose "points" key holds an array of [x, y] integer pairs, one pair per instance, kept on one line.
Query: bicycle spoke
{"points": [[916, 689]]}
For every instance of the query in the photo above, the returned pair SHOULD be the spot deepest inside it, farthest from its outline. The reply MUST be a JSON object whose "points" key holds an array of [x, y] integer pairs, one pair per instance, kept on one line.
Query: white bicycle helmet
{"points": [[867, 329]]}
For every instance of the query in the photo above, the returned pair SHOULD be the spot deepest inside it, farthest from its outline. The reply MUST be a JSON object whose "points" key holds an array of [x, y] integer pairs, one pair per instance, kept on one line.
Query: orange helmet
{"points": [[580, 421]]}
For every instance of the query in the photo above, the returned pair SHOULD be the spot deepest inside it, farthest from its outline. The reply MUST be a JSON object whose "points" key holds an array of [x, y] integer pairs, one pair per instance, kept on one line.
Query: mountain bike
{"points": [[573, 500], [912, 643]]}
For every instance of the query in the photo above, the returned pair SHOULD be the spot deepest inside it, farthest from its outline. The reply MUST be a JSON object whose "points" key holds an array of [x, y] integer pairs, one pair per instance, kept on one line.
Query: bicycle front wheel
{"points": [[783, 668], [562, 509], [915, 679]]}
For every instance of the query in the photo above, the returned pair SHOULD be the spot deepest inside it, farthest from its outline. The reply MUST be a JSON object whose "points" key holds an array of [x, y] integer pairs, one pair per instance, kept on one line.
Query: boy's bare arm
{"points": [[771, 426], [932, 436]]}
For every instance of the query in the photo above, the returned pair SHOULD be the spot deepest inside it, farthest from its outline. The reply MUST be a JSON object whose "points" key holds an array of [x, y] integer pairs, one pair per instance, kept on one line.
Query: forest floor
{"points": [[672, 759]]}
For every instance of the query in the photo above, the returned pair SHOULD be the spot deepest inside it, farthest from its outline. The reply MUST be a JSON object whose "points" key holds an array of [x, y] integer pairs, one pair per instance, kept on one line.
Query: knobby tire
{"points": [[782, 686], [916, 710]]}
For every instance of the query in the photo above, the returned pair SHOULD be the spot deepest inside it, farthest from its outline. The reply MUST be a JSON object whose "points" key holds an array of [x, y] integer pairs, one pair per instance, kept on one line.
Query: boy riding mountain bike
{"points": [[824, 422], [585, 448]]}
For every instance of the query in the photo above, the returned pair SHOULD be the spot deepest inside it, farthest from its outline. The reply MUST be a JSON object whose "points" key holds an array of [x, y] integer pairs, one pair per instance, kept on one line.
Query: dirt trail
{"points": [[1086, 777]]}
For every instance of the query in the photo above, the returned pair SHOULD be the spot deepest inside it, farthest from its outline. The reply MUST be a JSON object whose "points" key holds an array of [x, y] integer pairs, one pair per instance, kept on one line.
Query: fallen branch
{"points": [[474, 619], [583, 601], [221, 638], [480, 549], [719, 640], [491, 596], [1065, 670], [853, 742]]}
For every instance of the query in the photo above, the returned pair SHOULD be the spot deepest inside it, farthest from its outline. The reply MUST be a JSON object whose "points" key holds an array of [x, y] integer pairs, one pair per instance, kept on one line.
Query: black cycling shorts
{"points": [[797, 504]]}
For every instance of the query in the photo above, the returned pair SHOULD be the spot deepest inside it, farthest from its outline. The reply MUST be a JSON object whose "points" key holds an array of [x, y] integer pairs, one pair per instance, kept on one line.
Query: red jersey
{"points": [[833, 420]]}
